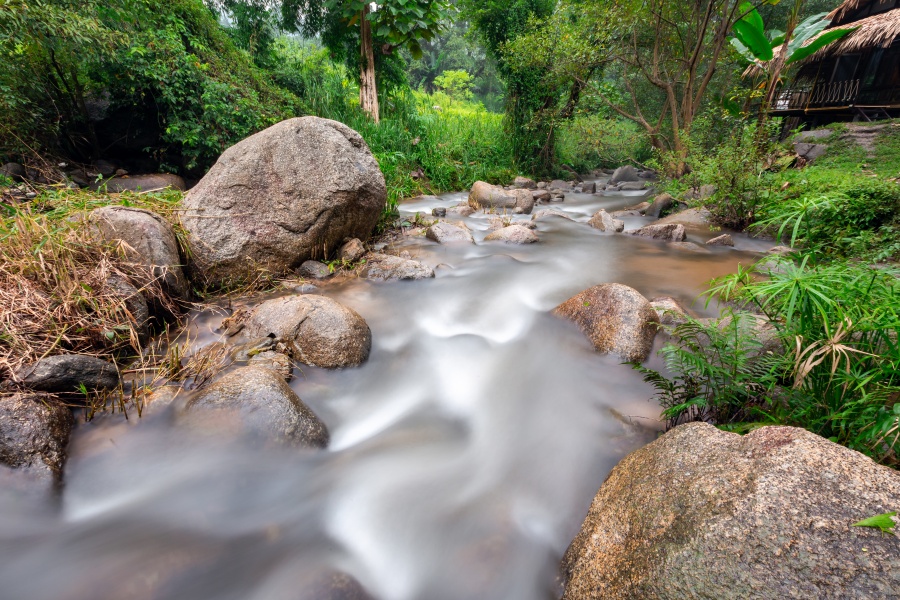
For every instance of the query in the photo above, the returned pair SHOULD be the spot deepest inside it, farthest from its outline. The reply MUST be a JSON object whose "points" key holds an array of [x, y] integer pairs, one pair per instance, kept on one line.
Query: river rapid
{"points": [[464, 454]]}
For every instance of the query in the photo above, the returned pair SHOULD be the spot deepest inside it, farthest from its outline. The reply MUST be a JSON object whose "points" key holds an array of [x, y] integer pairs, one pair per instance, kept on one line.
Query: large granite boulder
{"points": [[68, 374], [624, 175], [603, 221], [148, 240], [701, 513], [34, 433], [616, 318], [319, 331], [486, 196], [292, 192], [255, 400]]}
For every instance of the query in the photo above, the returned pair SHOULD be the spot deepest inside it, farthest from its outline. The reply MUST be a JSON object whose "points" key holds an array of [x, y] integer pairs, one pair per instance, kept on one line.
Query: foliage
{"points": [[758, 46], [589, 141], [456, 84], [885, 523]]}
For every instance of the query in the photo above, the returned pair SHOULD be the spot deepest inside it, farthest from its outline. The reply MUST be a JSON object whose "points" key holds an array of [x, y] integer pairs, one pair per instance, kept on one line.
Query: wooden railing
{"points": [[837, 93]]}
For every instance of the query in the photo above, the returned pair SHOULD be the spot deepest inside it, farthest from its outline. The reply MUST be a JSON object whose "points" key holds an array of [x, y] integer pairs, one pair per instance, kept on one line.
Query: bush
{"points": [[588, 142]]}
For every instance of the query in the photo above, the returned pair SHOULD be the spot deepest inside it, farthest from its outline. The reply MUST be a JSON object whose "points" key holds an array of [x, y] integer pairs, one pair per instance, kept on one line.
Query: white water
{"points": [[464, 454]]}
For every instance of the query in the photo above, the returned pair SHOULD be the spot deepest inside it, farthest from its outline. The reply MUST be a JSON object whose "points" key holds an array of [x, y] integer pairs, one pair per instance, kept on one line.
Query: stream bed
{"points": [[464, 454]]}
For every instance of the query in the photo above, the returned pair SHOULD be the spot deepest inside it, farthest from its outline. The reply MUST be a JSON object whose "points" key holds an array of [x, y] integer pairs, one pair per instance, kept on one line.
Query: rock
{"points": [[541, 196], [306, 288], [524, 202], [589, 187], [660, 204], [256, 400], [649, 175], [524, 183], [514, 234], [559, 184], [813, 136], [665, 232], [701, 513], [34, 434], [121, 172], [463, 210], [150, 241], [104, 167], [439, 212], [603, 221], [722, 240], [319, 331], [134, 303], [641, 207], [281, 197], [275, 361], [67, 373], [14, 171], [314, 270], [632, 186], [352, 251], [550, 212], [141, 183], [623, 214], [692, 217], [331, 585], [616, 318], [670, 311], [701, 193], [624, 174], [690, 247], [542, 185], [484, 196], [810, 152], [556, 196], [384, 267], [447, 233]]}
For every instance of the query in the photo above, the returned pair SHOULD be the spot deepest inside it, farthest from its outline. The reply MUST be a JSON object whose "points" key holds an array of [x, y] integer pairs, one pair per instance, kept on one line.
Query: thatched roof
{"points": [[877, 31], [849, 6]]}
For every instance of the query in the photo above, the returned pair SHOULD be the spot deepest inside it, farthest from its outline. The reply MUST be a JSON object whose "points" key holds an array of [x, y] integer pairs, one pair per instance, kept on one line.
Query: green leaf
{"points": [[754, 39], [883, 522], [751, 16], [820, 42], [743, 50]]}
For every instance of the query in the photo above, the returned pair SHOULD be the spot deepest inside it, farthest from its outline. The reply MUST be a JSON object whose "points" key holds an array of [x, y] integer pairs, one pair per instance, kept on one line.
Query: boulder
{"points": [[34, 434], [692, 217], [603, 221], [616, 318], [463, 210], [384, 267], [68, 373], [624, 174], [352, 251], [525, 201], [664, 232], [701, 513], [134, 303], [149, 241], [641, 207], [276, 361], [141, 183], [722, 240], [319, 331], [485, 196], [541, 196], [632, 186], [514, 234], [550, 212], [314, 269], [255, 400], [447, 233], [660, 204], [14, 171], [524, 183], [627, 213], [810, 152], [559, 184], [813, 136], [670, 311], [285, 195], [589, 187]]}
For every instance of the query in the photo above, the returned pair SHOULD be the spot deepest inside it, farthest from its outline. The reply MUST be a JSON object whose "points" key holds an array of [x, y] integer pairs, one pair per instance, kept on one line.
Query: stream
{"points": [[464, 454]]}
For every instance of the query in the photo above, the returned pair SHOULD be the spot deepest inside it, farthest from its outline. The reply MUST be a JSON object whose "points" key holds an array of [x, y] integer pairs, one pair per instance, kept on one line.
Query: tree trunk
{"points": [[368, 93]]}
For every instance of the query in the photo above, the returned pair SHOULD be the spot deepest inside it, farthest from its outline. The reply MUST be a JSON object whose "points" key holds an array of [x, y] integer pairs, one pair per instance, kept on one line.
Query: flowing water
{"points": [[464, 454]]}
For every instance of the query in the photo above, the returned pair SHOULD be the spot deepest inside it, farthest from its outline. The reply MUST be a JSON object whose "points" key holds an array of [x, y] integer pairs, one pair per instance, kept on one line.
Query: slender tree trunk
{"points": [[368, 93]]}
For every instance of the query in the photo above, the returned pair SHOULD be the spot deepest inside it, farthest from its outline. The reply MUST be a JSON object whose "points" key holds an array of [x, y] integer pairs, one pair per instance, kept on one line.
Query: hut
{"points": [[856, 78]]}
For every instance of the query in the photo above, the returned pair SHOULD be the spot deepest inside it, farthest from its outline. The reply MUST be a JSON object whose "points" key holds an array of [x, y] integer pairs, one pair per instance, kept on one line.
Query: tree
{"points": [[387, 26], [456, 84]]}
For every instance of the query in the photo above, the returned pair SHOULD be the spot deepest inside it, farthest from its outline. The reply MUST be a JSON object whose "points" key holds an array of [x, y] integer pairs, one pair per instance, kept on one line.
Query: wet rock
{"points": [[525, 202], [281, 197], [660, 204], [524, 183], [150, 241], [692, 217], [67, 373], [447, 233], [541, 196], [352, 250], [722, 240], [624, 174], [330, 585], [104, 167], [256, 400], [550, 212], [542, 185], [134, 303], [307, 288], [765, 515], [689, 247], [632, 186], [589, 187], [141, 183], [485, 196], [384, 267], [319, 331], [616, 318], [34, 434], [557, 196], [463, 210], [559, 184], [670, 311], [641, 207], [664, 232], [514, 234], [275, 361], [439, 212], [623, 214], [603, 221], [14, 171], [314, 270]]}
